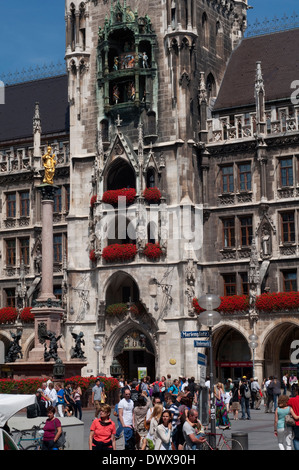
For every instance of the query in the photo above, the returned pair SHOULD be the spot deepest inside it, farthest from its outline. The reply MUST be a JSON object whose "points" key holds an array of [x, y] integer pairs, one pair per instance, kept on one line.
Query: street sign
{"points": [[201, 359], [202, 344], [195, 334]]}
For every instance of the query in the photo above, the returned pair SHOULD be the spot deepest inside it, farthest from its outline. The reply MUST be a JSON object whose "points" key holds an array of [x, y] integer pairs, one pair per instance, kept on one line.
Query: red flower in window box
{"points": [[26, 315], [269, 302], [152, 195], [111, 196], [92, 256], [229, 304], [8, 314], [152, 250], [278, 301], [93, 200], [117, 252]]}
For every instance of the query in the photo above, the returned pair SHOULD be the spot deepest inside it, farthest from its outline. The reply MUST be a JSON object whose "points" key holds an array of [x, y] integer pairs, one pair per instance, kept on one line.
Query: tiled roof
{"points": [[17, 113], [278, 53]]}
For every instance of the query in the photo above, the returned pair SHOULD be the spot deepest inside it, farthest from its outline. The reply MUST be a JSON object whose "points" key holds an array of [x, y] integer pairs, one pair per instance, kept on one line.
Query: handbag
{"points": [[289, 420], [62, 439]]}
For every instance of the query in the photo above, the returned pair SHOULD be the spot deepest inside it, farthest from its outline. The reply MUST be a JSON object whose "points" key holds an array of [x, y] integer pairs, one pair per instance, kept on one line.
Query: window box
{"points": [[153, 251], [152, 195], [117, 252], [111, 196]]}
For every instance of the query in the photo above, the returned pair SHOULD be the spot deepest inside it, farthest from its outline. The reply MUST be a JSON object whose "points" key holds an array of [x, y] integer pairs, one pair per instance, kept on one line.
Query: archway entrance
{"points": [[135, 355], [233, 356], [278, 351]]}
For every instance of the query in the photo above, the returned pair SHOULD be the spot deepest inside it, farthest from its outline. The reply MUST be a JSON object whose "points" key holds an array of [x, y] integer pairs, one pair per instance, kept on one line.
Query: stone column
{"points": [[47, 309], [47, 242]]}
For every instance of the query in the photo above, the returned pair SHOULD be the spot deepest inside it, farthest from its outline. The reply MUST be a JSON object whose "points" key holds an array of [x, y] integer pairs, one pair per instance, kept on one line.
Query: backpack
{"points": [[247, 392], [156, 388]]}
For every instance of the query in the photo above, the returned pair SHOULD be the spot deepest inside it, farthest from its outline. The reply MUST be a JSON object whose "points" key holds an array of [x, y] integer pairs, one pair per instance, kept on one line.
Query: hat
{"points": [[255, 378], [244, 377]]}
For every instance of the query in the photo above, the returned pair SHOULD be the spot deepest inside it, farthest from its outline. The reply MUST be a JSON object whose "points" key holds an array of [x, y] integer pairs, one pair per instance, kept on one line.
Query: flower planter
{"points": [[121, 309], [8, 314], [117, 252], [111, 196], [26, 315], [153, 251], [266, 303], [152, 195]]}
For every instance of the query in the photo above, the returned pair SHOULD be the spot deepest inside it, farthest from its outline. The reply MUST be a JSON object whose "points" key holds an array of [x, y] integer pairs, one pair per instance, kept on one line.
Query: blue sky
{"points": [[32, 32]]}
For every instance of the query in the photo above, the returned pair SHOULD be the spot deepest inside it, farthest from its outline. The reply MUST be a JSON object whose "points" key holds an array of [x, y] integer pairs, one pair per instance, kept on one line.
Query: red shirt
{"points": [[103, 433], [294, 403]]}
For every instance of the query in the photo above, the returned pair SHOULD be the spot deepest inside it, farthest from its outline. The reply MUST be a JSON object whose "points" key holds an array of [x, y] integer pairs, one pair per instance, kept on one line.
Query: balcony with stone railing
{"points": [[243, 126], [14, 159]]}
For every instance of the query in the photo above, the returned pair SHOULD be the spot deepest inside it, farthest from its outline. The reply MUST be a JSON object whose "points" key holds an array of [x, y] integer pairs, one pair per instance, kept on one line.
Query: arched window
{"points": [[150, 178], [211, 87], [121, 175]]}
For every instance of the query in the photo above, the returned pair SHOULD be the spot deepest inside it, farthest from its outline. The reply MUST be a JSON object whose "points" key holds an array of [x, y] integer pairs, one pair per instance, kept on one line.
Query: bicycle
{"points": [[222, 442], [37, 440]]}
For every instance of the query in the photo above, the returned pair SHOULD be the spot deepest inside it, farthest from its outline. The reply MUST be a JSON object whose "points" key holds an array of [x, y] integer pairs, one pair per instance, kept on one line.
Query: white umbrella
{"points": [[11, 404]]}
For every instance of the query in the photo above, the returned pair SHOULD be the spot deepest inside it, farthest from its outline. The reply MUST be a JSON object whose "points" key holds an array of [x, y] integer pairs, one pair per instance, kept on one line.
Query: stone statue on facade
{"points": [[14, 350]]}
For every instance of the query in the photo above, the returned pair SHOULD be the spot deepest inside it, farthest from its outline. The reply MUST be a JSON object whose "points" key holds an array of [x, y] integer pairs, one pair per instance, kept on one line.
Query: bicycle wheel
{"points": [[231, 444], [33, 447]]}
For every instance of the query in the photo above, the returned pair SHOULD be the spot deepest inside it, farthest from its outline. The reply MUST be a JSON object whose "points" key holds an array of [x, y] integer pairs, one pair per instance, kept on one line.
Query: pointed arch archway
{"points": [[132, 341]]}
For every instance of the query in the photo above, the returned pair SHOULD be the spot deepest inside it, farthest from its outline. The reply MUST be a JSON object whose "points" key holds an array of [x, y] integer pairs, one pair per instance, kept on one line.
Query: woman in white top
{"points": [[164, 432], [154, 421]]}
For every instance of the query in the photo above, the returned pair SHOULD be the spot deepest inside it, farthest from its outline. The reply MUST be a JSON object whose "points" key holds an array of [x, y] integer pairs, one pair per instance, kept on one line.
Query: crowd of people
{"points": [[66, 400], [159, 415], [163, 415]]}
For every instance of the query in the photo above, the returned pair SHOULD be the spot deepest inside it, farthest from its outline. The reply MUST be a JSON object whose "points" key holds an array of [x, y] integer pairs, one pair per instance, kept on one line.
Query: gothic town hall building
{"points": [[170, 105]]}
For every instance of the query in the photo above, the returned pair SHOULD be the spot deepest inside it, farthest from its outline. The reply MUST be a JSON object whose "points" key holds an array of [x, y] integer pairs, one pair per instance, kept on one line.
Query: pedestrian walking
{"points": [[270, 395], [164, 432], [126, 417], [140, 411], [97, 393], [102, 431], [154, 422], [245, 399], [52, 430], [77, 394], [235, 400], [255, 394], [60, 399], [281, 430], [293, 402]]}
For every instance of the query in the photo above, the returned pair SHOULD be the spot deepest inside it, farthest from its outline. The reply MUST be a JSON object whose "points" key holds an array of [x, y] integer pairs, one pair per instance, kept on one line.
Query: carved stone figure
{"points": [[50, 353], [14, 350], [77, 351]]}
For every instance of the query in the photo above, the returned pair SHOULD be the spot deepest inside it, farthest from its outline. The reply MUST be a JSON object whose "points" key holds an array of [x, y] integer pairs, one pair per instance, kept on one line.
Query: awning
{"points": [[11, 404]]}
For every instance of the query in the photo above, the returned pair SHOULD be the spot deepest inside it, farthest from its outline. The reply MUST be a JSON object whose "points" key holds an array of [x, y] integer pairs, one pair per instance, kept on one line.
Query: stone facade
{"points": [[149, 107]]}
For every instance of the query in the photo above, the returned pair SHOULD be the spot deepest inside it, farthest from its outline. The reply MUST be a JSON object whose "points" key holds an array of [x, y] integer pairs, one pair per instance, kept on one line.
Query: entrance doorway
{"points": [[134, 351], [233, 356]]}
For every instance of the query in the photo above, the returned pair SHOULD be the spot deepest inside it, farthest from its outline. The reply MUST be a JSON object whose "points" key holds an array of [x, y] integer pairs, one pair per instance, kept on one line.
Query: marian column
{"points": [[47, 309]]}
